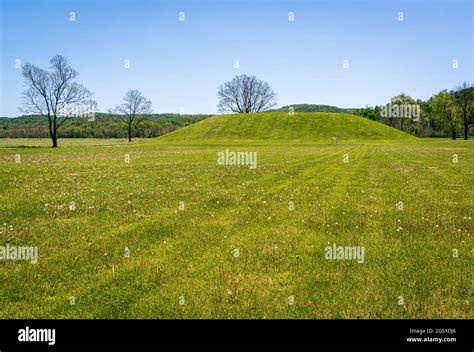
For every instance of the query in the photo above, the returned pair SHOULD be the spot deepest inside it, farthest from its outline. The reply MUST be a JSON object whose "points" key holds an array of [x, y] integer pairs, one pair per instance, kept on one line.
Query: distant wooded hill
{"points": [[103, 126], [315, 108]]}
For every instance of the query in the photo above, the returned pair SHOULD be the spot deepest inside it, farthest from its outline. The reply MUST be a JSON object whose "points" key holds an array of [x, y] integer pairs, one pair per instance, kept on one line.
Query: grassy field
{"points": [[237, 250]]}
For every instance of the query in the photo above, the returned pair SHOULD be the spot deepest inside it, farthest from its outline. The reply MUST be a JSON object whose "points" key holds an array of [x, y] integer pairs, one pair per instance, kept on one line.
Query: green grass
{"points": [[190, 253], [302, 127]]}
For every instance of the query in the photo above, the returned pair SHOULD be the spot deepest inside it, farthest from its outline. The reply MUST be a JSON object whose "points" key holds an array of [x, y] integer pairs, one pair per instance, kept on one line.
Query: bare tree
{"points": [[54, 94], [464, 95], [245, 94], [132, 109]]}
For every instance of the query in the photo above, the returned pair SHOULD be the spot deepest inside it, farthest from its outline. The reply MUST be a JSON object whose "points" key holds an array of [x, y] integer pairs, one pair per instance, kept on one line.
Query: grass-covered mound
{"points": [[280, 126]]}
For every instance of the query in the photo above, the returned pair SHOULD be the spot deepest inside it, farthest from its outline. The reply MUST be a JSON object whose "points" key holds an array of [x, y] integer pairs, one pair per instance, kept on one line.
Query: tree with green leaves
{"points": [[464, 97], [404, 102], [445, 110], [424, 127]]}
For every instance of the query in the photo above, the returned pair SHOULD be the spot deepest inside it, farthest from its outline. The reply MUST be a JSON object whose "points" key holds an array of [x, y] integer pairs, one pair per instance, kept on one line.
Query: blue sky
{"points": [[180, 64]]}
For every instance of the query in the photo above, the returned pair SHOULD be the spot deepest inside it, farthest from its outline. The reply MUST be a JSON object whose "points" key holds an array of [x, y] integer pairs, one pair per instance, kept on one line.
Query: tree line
{"points": [[447, 113], [103, 126]]}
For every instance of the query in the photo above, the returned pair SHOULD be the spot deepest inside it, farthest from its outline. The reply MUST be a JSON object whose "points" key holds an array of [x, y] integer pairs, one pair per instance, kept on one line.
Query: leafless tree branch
{"points": [[134, 106], [53, 93], [245, 94]]}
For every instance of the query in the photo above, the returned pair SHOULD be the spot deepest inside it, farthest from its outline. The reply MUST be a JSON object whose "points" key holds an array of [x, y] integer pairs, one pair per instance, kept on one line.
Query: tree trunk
{"points": [[466, 131], [52, 132], [453, 134], [54, 138], [129, 132]]}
